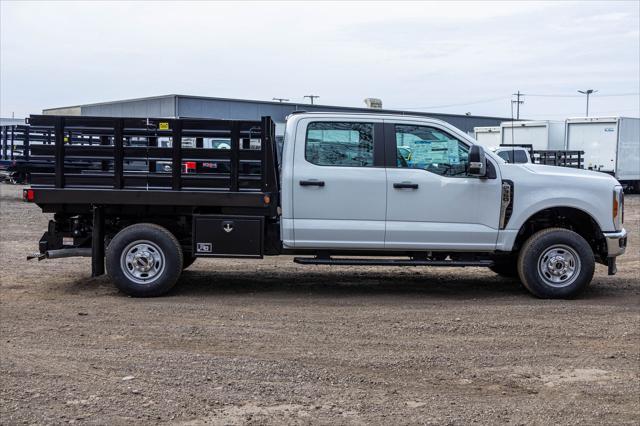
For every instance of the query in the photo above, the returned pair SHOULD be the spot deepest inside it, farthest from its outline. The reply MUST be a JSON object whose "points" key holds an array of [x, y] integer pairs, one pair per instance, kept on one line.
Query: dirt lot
{"points": [[270, 342]]}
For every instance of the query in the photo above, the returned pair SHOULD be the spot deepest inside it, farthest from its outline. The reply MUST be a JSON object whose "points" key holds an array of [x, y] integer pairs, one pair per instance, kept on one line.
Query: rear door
{"points": [[598, 141], [432, 203], [339, 184]]}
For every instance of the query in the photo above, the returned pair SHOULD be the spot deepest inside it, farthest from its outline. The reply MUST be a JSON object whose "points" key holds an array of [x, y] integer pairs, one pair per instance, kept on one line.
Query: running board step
{"points": [[390, 262]]}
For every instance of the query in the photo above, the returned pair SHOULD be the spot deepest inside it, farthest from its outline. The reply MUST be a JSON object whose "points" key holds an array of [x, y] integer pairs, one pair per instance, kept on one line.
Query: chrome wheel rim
{"points": [[559, 265], [142, 262]]}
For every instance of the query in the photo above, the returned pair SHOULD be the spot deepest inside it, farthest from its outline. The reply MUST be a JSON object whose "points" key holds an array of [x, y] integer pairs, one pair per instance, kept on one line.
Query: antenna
{"points": [[311, 97], [281, 100]]}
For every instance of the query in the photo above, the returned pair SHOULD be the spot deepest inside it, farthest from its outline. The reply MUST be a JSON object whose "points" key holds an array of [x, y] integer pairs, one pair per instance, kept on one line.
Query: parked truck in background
{"points": [[611, 145], [539, 142], [352, 189]]}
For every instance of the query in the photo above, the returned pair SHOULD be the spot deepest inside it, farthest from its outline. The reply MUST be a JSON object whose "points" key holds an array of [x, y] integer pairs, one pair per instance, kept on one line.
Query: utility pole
{"points": [[281, 100], [587, 92], [311, 97], [517, 102]]}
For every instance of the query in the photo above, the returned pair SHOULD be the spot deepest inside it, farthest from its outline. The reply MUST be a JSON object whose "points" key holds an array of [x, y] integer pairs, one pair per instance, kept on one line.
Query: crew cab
{"points": [[351, 189]]}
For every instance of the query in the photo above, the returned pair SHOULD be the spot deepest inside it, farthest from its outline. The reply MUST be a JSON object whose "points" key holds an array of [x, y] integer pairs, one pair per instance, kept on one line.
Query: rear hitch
{"points": [[38, 256], [60, 253]]}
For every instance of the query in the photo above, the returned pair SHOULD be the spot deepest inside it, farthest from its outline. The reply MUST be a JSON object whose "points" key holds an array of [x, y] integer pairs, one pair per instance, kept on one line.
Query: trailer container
{"points": [[611, 145], [489, 137], [541, 135]]}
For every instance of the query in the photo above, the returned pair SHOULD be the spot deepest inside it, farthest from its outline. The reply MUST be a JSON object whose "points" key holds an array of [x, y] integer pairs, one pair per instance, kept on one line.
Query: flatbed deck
{"points": [[136, 161]]}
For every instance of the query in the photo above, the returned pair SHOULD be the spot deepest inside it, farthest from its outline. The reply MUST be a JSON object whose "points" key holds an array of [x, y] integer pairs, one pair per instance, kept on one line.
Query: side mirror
{"points": [[477, 161]]}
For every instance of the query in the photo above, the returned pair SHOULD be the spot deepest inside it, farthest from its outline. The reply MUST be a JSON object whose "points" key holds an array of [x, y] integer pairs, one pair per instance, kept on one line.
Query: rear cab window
{"points": [[343, 144]]}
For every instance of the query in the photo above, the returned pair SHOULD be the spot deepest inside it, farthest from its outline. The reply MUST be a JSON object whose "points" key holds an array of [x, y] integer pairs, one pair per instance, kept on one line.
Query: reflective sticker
{"points": [[163, 125]]}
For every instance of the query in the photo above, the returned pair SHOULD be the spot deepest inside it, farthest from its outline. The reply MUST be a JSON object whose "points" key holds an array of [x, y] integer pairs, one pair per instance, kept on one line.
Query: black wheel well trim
{"points": [[566, 217]]}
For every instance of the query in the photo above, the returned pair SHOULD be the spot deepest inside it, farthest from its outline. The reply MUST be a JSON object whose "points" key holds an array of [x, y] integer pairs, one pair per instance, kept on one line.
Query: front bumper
{"points": [[616, 242]]}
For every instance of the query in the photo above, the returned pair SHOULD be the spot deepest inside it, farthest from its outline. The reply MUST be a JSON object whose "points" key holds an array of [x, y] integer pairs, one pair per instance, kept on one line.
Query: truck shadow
{"points": [[346, 283]]}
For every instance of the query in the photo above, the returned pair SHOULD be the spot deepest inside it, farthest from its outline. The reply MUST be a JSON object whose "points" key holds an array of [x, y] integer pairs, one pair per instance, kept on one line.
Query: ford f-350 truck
{"points": [[351, 189]]}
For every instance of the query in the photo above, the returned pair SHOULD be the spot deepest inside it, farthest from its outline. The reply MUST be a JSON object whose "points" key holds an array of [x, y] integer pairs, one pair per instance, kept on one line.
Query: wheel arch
{"points": [[567, 217]]}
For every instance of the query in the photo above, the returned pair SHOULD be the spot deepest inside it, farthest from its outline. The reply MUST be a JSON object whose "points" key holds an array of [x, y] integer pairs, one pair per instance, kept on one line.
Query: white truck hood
{"points": [[569, 172], [538, 187]]}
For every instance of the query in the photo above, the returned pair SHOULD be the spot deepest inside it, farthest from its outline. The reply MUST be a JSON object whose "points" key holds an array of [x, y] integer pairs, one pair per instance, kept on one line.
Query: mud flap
{"points": [[97, 242], [611, 266]]}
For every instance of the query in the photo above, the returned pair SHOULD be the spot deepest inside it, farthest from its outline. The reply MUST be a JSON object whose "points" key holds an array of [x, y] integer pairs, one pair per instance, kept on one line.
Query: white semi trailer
{"points": [[611, 145], [541, 135], [489, 137]]}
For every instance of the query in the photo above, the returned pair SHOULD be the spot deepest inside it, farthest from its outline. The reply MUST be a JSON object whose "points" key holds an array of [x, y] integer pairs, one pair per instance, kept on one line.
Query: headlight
{"points": [[617, 208]]}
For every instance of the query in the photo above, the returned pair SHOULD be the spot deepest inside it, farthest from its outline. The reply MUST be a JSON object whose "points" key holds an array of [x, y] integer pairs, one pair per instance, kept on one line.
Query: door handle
{"points": [[311, 183], [405, 185]]}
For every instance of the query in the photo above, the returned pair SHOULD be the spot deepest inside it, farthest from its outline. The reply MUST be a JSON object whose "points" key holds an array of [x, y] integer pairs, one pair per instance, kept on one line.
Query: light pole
{"points": [[281, 100], [311, 97], [587, 92]]}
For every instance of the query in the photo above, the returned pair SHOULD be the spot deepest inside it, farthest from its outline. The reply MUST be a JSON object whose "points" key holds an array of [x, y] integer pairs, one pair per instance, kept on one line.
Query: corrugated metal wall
{"points": [[151, 107], [202, 107]]}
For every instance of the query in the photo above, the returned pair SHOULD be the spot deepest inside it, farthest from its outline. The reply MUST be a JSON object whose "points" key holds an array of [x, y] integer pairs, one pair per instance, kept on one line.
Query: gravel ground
{"points": [[255, 342]]}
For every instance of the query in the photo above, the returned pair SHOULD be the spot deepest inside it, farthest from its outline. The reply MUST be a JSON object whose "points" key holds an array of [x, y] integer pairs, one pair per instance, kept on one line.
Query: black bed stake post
{"points": [[5, 133], [235, 155], [97, 242], [176, 157], [59, 131], [265, 146], [118, 154], [27, 146], [12, 142]]}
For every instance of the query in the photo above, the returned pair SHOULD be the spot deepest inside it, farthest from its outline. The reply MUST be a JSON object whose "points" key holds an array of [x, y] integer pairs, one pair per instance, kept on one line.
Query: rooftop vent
{"points": [[374, 103]]}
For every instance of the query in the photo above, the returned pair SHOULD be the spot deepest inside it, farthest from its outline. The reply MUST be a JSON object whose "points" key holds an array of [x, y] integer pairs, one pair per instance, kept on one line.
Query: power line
{"points": [[544, 95], [455, 105], [569, 114], [580, 96]]}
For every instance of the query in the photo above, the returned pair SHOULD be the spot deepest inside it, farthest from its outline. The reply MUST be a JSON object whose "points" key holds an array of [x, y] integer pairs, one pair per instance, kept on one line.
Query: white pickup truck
{"points": [[351, 189]]}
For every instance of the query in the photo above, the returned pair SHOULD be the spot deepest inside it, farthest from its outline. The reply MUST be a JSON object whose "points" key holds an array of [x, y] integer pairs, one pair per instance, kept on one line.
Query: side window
{"points": [[505, 156], [340, 144], [520, 157], [517, 156], [427, 148]]}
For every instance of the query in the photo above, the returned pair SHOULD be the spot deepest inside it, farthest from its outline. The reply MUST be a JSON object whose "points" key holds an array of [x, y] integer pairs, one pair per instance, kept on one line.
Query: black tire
{"points": [[506, 267], [156, 249], [548, 255], [187, 260]]}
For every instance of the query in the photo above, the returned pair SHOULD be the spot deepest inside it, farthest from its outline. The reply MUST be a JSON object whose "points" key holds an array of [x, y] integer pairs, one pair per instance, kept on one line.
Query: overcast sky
{"points": [[443, 57]]}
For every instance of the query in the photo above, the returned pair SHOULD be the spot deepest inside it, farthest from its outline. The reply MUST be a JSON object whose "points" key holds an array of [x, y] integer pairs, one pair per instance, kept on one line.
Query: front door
{"points": [[339, 184], [432, 203]]}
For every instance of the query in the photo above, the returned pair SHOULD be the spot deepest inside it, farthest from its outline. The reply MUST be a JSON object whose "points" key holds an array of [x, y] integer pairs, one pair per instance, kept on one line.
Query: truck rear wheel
{"points": [[556, 263], [144, 260]]}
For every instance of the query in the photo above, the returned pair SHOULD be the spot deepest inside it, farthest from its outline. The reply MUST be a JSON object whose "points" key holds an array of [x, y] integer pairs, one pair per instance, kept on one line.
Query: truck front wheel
{"points": [[556, 263], [144, 260]]}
